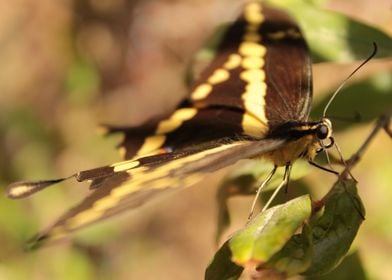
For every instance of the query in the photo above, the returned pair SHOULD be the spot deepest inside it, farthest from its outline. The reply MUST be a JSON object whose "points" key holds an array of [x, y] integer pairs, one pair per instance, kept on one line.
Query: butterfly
{"points": [[252, 101]]}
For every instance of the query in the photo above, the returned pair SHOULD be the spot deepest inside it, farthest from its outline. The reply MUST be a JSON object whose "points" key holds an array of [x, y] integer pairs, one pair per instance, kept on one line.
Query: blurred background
{"points": [[67, 66]]}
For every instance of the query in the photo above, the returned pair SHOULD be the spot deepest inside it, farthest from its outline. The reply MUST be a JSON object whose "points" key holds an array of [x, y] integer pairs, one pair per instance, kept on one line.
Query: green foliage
{"points": [[244, 179], [269, 231], [334, 231], [368, 97], [333, 37], [269, 241], [350, 268], [222, 267]]}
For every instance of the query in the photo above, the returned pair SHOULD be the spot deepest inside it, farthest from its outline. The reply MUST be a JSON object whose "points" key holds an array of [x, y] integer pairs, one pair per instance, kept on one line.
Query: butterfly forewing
{"points": [[288, 69], [129, 189], [262, 70]]}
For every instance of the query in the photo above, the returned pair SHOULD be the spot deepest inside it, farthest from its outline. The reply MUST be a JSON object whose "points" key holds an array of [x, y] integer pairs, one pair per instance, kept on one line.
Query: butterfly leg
{"points": [[262, 185], [285, 181], [322, 167], [286, 187]]}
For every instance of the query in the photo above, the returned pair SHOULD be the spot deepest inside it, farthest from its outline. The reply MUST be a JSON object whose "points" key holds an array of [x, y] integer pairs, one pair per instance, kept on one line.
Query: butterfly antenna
{"points": [[375, 48]]}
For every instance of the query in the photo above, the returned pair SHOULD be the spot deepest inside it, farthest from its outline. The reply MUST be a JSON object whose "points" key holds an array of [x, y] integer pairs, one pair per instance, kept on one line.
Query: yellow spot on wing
{"points": [[124, 165], [294, 33], [252, 49], [253, 13], [277, 35], [20, 190], [202, 91], [183, 114], [168, 125], [255, 90], [151, 144], [219, 75], [175, 120], [253, 75], [83, 218], [233, 61], [57, 233], [257, 110], [105, 203], [253, 126], [252, 62]]}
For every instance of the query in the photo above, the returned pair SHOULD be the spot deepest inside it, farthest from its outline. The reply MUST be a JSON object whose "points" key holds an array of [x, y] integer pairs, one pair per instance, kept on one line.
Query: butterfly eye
{"points": [[322, 131]]}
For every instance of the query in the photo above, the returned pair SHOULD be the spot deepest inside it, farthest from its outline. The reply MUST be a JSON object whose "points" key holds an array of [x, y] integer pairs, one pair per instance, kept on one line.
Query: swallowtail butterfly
{"points": [[252, 101]]}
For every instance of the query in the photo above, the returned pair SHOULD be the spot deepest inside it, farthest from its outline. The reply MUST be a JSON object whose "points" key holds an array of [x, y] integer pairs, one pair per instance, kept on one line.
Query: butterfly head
{"points": [[324, 133]]}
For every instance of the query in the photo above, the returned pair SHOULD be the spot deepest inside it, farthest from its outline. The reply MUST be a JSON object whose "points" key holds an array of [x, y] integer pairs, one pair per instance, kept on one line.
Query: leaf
{"points": [[334, 231], [269, 231], [350, 268], [296, 256], [368, 98], [244, 179], [221, 267], [335, 37]]}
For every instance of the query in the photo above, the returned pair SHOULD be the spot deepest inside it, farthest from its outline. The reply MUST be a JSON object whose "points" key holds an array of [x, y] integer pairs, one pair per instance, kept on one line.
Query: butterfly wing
{"points": [[260, 78], [186, 127], [129, 188]]}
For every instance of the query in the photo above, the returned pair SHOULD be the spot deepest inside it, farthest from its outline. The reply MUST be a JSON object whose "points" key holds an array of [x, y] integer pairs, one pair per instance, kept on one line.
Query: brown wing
{"points": [[130, 187], [186, 128], [263, 67], [288, 69], [260, 78]]}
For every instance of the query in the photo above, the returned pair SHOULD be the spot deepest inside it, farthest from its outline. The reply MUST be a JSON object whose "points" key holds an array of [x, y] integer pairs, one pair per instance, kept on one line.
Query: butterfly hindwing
{"points": [[263, 67]]}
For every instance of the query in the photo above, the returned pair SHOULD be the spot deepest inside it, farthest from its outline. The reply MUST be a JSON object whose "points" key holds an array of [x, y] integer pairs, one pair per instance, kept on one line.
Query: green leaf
{"points": [[221, 267], [335, 37], [296, 256], [334, 231], [350, 268], [269, 231], [244, 179], [369, 97]]}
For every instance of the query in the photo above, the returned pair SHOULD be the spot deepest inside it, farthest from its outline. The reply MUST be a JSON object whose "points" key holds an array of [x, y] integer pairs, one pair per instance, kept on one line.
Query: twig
{"points": [[382, 123]]}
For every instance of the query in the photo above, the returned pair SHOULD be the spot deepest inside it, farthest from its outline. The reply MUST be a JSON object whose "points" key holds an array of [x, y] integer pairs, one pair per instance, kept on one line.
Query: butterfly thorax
{"points": [[304, 139], [303, 147]]}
